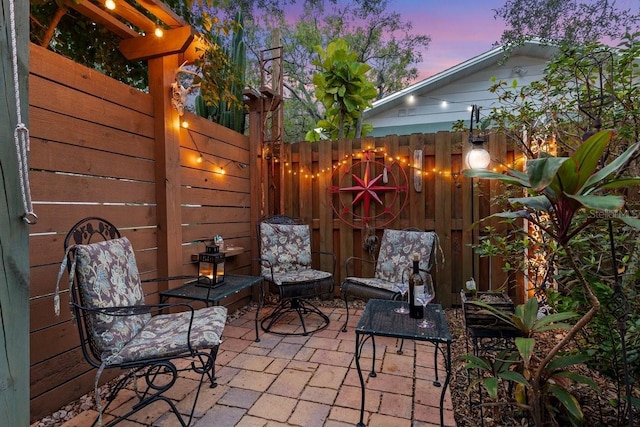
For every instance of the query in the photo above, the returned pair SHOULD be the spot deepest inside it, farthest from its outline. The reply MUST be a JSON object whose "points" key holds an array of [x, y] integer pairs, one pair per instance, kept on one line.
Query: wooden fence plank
{"points": [[444, 285], [497, 147], [55, 127], [49, 402], [394, 201], [207, 177], [61, 217], [70, 364], [49, 187], [73, 159], [325, 162], [211, 197], [72, 75], [305, 193], [346, 240], [51, 96]]}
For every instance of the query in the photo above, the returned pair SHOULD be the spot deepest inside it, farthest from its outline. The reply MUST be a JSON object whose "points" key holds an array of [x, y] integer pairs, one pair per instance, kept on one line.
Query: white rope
{"points": [[21, 133]]}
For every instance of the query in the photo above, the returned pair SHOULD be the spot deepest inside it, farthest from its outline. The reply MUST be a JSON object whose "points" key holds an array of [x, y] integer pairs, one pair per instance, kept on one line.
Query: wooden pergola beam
{"points": [[160, 10], [99, 16], [134, 17], [148, 47]]}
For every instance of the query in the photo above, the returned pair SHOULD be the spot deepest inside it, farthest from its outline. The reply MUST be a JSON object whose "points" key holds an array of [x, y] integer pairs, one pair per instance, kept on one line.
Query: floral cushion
{"points": [[287, 247], [375, 283], [297, 276], [395, 258], [107, 276], [166, 335]]}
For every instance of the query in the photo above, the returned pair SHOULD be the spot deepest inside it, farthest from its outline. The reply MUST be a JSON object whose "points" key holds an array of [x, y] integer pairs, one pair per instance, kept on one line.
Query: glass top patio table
{"points": [[380, 319]]}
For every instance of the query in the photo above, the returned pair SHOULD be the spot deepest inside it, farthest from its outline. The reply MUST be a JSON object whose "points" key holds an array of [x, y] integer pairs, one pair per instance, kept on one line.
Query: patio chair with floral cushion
{"points": [[392, 266], [286, 262], [119, 330]]}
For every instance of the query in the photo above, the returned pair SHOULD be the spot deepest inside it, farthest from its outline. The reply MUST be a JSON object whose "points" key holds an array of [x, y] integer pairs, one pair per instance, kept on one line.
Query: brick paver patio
{"points": [[303, 381]]}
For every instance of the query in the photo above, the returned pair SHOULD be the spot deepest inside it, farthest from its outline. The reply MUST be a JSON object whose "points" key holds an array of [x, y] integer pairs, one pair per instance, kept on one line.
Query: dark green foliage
{"points": [[86, 43], [223, 69], [343, 89], [601, 339], [514, 370], [566, 20]]}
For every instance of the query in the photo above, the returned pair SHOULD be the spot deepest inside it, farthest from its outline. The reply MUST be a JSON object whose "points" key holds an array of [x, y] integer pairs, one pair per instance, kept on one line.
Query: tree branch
{"points": [[48, 35]]}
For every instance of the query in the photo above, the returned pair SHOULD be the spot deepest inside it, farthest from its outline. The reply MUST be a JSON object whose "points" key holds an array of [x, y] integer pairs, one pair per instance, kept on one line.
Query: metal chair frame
{"points": [[351, 288], [294, 296], [159, 373]]}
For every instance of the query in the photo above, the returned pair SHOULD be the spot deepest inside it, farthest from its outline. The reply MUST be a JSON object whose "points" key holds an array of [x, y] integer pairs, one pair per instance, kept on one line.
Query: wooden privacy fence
{"points": [[316, 183], [95, 152]]}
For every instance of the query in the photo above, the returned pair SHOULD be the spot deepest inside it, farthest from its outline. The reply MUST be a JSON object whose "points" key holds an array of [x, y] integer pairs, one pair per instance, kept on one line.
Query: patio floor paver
{"points": [[305, 381]]}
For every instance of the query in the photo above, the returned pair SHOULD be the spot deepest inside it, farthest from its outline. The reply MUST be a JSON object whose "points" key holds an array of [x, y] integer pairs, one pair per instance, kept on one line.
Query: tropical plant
{"points": [[604, 344], [377, 33], [223, 70], [536, 394], [557, 189], [344, 90]]}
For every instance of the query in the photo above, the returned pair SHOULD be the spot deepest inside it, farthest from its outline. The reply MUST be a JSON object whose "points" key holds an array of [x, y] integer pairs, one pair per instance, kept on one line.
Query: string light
{"points": [[159, 32], [220, 170], [110, 4], [390, 160]]}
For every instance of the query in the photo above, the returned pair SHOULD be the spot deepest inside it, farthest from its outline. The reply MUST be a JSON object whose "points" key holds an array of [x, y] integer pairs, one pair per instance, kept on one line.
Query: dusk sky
{"points": [[459, 29]]}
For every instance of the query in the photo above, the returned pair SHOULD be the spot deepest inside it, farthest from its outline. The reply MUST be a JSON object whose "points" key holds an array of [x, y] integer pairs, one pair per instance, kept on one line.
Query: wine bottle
{"points": [[416, 287]]}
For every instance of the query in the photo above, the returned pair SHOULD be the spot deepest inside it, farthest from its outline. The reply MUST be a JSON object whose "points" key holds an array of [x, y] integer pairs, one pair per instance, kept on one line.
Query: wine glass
{"points": [[403, 288], [424, 299]]}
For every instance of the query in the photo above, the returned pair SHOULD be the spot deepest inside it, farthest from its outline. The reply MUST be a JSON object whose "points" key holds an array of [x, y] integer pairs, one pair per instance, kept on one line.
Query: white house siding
{"points": [[441, 100]]}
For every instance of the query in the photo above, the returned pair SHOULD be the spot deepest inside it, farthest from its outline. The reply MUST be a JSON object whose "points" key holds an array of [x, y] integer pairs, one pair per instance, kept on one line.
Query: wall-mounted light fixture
{"points": [[477, 157], [417, 170]]}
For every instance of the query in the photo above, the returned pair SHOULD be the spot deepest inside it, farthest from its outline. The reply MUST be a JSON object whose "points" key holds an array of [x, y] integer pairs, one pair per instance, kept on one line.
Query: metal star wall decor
{"points": [[360, 200]]}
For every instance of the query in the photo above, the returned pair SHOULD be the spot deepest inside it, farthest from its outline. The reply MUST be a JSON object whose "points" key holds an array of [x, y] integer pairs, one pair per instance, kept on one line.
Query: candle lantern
{"points": [[211, 267]]}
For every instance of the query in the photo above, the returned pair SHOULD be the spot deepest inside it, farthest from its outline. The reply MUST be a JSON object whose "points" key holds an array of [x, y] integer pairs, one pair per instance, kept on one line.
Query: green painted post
{"points": [[14, 237]]}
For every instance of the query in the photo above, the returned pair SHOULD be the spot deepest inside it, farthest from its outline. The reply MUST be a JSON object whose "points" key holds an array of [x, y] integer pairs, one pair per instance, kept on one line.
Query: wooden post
{"points": [[14, 239], [167, 135], [259, 178]]}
